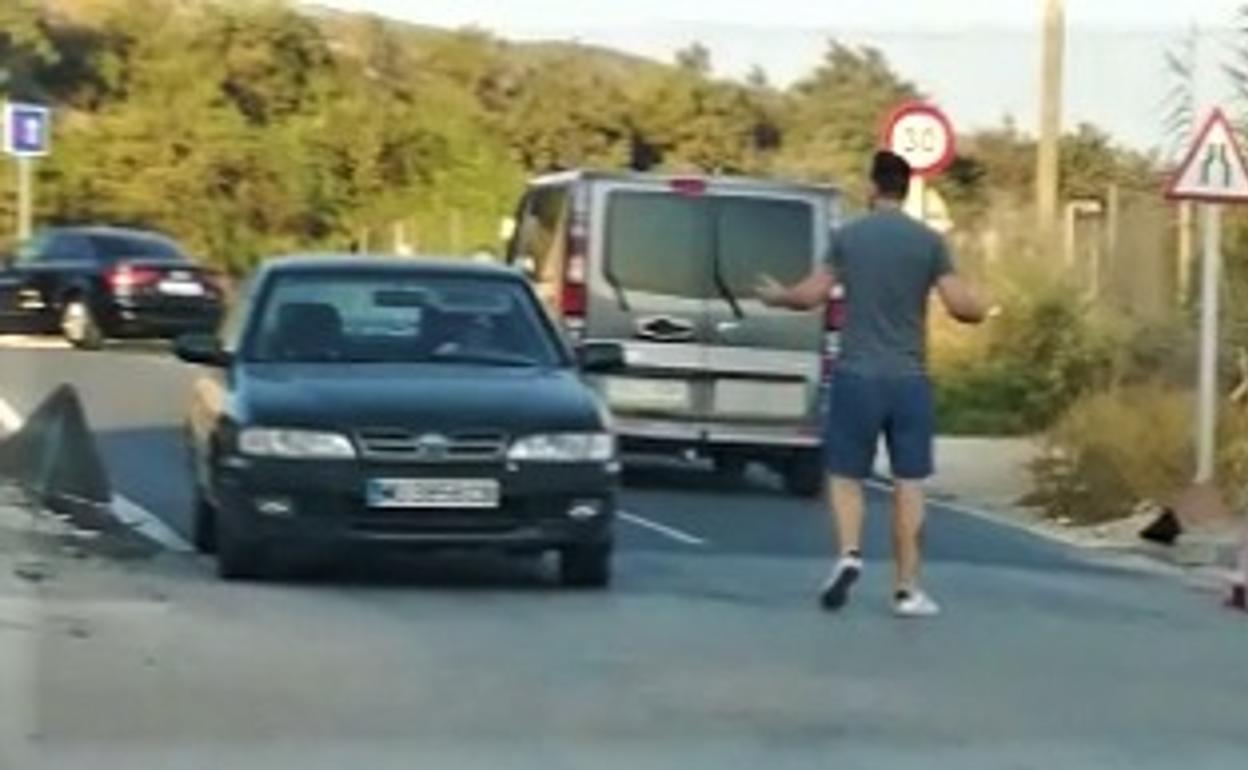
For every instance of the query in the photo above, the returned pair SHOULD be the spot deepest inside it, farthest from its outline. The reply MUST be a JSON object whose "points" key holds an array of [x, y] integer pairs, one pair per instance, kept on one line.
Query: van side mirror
{"points": [[202, 349], [600, 357]]}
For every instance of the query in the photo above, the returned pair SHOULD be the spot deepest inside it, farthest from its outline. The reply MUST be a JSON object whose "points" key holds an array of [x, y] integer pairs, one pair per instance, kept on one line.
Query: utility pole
{"points": [[1047, 153]]}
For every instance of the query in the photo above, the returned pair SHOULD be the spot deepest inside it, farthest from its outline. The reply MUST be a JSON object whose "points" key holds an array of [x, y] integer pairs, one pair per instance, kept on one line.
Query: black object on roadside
{"points": [[1164, 530]]}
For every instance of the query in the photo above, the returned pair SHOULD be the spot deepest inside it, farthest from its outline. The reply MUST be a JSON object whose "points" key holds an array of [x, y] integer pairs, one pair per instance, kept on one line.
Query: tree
{"points": [[833, 115]]}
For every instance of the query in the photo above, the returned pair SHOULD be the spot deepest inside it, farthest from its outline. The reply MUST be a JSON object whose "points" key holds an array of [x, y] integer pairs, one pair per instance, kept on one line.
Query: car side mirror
{"points": [[202, 349], [601, 357]]}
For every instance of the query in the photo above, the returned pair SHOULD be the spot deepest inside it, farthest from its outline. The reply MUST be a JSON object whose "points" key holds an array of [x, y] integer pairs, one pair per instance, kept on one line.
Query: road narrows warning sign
{"points": [[1214, 169]]}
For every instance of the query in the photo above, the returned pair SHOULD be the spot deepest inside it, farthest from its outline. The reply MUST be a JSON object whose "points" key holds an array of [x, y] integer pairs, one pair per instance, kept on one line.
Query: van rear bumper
{"points": [[638, 434]]}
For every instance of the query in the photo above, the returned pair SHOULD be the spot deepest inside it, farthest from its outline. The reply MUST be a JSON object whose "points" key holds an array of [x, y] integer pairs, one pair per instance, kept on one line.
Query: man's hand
{"points": [[770, 292]]}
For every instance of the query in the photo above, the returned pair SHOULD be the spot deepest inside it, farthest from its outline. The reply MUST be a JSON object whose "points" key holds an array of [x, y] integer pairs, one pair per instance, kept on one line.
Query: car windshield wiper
{"points": [[484, 358], [621, 297], [720, 282]]}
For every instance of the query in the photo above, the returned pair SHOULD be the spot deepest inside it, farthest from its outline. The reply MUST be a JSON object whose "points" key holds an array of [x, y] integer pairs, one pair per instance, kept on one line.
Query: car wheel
{"points": [[204, 525], [804, 474], [237, 558], [78, 325], [585, 567]]}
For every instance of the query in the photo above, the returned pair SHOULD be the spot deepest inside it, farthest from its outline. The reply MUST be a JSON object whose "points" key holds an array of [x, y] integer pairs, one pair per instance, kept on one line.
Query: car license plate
{"points": [[639, 393], [433, 493], [181, 288], [746, 398]]}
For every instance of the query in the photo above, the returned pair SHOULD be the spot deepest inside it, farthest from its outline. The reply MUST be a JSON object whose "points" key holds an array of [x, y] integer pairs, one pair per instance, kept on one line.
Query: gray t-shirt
{"points": [[888, 264]]}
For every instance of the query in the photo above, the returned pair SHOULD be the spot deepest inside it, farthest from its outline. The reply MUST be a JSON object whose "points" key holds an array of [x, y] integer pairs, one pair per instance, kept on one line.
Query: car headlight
{"points": [[295, 444], [565, 448]]}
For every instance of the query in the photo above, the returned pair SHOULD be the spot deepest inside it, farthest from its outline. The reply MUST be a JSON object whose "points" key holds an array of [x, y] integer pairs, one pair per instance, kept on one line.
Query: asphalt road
{"points": [[709, 652]]}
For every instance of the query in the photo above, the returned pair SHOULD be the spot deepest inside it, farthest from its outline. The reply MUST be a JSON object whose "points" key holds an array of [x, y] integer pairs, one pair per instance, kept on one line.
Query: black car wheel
{"points": [[238, 558], [585, 567], [78, 325], [804, 474], [204, 525]]}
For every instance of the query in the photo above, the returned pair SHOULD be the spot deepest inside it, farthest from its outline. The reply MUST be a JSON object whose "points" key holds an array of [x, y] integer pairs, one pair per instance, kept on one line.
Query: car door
{"points": [[23, 307], [766, 362]]}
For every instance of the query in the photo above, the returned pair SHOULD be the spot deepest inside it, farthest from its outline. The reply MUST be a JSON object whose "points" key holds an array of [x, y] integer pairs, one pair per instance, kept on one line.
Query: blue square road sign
{"points": [[27, 129]]}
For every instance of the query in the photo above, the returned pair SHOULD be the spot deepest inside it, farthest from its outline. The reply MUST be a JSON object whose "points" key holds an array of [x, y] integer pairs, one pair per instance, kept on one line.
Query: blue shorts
{"points": [[863, 408]]}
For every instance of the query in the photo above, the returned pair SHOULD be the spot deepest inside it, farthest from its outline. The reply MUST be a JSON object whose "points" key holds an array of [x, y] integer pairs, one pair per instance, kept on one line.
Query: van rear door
{"points": [[675, 274], [650, 286], [766, 362]]}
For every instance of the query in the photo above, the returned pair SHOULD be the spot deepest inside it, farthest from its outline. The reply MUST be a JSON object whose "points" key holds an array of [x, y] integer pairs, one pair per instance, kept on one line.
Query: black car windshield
{"points": [[383, 318]]}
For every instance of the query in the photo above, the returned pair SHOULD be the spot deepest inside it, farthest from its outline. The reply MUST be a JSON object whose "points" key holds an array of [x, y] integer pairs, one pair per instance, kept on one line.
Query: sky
{"points": [[977, 59]]}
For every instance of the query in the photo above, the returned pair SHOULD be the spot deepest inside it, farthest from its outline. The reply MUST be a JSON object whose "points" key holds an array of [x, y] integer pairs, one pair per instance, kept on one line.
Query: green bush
{"points": [[1119, 447], [1039, 357]]}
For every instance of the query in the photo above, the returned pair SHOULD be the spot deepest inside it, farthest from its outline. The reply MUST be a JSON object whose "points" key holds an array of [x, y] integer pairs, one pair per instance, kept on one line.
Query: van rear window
{"points": [[660, 243], [667, 244]]}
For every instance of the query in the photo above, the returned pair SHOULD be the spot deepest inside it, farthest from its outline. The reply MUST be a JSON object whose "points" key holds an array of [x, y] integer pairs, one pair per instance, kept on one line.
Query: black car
{"points": [[92, 283], [366, 401]]}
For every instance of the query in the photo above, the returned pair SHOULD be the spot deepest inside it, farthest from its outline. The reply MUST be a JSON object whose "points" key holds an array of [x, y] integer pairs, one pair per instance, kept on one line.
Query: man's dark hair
{"points": [[891, 174]]}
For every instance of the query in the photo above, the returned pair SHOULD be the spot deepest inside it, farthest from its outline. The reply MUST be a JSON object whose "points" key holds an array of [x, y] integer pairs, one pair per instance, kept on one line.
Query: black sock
{"points": [[901, 596]]}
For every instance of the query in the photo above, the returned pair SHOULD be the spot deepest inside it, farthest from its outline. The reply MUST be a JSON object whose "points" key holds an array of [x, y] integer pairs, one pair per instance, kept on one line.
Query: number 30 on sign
{"points": [[921, 134]]}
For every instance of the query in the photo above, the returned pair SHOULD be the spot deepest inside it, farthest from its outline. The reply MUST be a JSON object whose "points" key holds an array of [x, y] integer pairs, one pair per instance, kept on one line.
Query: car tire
{"points": [[238, 558], [585, 567], [204, 525], [78, 324], [804, 474]]}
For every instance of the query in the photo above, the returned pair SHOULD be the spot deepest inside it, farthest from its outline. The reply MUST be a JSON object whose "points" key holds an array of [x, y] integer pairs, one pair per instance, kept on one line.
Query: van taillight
{"points": [[834, 314], [573, 300]]}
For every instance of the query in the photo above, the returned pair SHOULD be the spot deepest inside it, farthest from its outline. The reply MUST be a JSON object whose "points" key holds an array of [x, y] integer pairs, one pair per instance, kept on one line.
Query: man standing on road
{"points": [[888, 265]]}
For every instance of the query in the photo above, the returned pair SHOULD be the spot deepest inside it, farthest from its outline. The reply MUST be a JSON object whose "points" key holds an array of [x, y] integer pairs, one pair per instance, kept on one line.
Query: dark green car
{"points": [[368, 402]]}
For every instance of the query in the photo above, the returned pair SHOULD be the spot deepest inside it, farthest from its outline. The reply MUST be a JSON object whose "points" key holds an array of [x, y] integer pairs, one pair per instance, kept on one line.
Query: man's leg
{"points": [[847, 513], [911, 434], [908, 514], [853, 431]]}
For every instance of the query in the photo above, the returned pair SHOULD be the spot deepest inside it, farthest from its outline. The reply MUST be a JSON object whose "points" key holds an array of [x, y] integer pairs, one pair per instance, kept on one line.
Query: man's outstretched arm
{"points": [[812, 292]]}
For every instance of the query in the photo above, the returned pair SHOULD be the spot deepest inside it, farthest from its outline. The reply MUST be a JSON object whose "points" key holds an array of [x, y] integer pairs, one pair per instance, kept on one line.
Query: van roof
{"points": [[741, 182]]}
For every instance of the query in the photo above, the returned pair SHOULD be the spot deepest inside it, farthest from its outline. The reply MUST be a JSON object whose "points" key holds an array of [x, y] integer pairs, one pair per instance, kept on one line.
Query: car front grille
{"points": [[408, 446]]}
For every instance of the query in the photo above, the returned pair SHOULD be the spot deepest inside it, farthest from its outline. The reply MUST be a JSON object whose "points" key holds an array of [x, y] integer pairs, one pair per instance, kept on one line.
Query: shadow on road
{"points": [[668, 475]]}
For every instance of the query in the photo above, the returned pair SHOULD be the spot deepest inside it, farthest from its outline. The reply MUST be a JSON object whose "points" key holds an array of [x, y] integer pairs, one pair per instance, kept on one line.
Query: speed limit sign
{"points": [[921, 134]]}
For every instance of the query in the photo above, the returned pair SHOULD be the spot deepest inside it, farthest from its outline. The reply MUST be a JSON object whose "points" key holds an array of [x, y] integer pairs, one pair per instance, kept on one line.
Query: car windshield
{"points": [[331, 317]]}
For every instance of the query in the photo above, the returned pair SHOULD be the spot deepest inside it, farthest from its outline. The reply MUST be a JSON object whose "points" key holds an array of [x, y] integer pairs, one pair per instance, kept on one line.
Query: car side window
{"points": [[32, 251], [539, 243], [64, 247]]}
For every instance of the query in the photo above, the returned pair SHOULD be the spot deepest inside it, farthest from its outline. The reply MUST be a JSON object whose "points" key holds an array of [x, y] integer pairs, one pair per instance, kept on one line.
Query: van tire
{"points": [[731, 468], [805, 474]]}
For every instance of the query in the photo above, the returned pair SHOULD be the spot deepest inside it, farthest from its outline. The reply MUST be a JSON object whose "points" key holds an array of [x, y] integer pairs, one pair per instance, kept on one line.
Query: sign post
{"points": [[1214, 173], [26, 137], [923, 135]]}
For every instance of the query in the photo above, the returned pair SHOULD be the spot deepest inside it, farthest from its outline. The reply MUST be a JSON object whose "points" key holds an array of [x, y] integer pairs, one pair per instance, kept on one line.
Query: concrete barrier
{"points": [[54, 455]]}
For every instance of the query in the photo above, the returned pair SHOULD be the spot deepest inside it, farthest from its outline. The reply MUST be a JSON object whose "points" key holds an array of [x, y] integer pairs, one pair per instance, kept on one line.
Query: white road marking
{"points": [[129, 513], [670, 532], [10, 420], [23, 342], [142, 521]]}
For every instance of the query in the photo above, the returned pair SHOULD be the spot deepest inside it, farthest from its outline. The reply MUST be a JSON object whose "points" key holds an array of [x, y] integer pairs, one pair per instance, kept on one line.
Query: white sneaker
{"points": [[915, 604], [835, 592]]}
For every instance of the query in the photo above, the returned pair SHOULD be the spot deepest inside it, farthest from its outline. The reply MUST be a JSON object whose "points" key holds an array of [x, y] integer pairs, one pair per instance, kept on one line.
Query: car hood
{"points": [[420, 397]]}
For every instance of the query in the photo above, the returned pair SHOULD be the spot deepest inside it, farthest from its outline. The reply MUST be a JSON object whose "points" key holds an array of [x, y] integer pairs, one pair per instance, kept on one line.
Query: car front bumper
{"points": [[325, 504]]}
